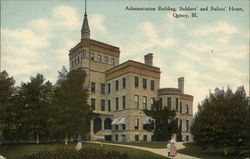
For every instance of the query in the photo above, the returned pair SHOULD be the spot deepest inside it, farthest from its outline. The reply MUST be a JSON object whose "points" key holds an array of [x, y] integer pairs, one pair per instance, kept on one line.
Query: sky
{"points": [[209, 51]]}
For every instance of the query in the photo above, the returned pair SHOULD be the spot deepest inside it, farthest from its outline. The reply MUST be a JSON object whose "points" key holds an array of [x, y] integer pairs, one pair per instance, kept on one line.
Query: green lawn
{"points": [[158, 145], [210, 153], [17, 151]]}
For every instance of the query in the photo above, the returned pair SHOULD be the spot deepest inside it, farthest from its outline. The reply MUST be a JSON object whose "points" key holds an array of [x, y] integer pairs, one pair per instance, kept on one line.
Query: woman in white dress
{"points": [[172, 148]]}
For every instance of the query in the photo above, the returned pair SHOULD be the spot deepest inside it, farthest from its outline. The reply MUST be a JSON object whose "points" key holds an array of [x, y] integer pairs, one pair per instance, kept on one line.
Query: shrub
{"points": [[70, 153]]}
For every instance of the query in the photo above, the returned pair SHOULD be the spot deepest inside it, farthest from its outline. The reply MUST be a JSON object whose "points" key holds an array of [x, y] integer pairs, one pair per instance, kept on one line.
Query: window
{"points": [[187, 111], [187, 125], [78, 59], [99, 58], [144, 102], [93, 87], [105, 59], [136, 137], [152, 102], [84, 53], [72, 63], [123, 137], [124, 83], [117, 85], [177, 121], [124, 102], [181, 124], [124, 126], [169, 102], [176, 104], [180, 107], [145, 138], [109, 105], [113, 61], [116, 127], [117, 103], [116, 137], [136, 102], [92, 56], [102, 105], [144, 82], [187, 138], [136, 82], [102, 88], [109, 88], [75, 61], [92, 103], [152, 84], [136, 123], [160, 103]]}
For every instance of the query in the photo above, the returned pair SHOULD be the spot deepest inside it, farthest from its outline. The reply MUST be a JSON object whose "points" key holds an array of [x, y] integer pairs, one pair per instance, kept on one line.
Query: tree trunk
{"points": [[66, 139], [225, 151], [37, 139]]}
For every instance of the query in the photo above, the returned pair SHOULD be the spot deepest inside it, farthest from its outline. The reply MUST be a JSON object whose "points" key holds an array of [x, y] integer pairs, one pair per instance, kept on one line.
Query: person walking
{"points": [[172, 148]]}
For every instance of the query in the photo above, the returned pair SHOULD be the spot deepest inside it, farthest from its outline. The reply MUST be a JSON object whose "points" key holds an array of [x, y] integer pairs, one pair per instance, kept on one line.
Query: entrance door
{"points": [[97, 125]]}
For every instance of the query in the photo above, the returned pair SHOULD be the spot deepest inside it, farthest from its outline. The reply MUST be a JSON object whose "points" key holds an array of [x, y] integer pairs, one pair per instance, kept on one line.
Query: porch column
{"points": [[102, 123], [91, 126]]}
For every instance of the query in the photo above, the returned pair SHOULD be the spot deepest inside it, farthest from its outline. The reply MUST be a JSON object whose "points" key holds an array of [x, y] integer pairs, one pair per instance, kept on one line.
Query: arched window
{"points": [[97, 124], [107, 123]]}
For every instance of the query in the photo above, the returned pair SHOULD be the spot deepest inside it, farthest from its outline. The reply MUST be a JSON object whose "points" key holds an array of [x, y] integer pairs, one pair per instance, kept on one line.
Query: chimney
{"points": [[181, 84], [148, 59]]}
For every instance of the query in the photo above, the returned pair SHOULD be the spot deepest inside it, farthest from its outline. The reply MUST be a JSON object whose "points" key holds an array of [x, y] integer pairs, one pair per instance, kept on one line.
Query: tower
{"points": [[79, 55], [85, 32], [85, 41]]}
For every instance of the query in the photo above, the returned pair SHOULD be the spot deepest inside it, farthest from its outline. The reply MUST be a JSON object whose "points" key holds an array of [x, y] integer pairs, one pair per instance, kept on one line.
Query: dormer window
{"points": [[113, 61], [105, 60], [92, 56], [99, 58]]}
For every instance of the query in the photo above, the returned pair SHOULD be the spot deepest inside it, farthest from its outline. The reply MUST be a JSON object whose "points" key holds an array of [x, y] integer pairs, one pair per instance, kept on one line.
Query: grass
{"points": [[157, 145], [210, 153], [17, 151]]}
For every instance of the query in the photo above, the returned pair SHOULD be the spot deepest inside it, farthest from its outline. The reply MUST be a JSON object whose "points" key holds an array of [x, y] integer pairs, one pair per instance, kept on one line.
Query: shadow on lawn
{"points": [[211, 153]]}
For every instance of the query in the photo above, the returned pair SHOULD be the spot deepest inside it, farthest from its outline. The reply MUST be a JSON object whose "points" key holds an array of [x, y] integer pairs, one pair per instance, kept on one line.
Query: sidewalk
{"points": [[162, 152]]}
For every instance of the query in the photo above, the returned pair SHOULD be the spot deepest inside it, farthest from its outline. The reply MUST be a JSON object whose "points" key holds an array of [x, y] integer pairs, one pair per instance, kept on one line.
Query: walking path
{"points": [[162, 152]]}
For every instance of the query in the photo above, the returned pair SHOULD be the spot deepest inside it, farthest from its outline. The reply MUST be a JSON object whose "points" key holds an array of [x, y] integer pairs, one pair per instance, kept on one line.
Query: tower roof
{"points": [[85, 32]]}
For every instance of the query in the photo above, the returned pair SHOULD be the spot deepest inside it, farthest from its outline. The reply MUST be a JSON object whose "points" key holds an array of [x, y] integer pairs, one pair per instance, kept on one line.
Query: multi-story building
{"points": [[120, 92]]}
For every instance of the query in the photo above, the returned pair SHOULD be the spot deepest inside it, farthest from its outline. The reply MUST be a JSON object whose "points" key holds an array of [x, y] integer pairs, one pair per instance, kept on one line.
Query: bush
{"points": [[70, 153]]}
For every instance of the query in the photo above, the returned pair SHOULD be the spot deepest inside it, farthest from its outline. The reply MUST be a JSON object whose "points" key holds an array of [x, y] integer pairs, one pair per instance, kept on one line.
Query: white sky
{"points": [[36, 37]]}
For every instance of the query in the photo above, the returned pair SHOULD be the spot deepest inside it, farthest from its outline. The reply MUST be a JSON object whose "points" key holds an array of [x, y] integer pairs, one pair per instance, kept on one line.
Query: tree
{"points": [[21, 115], [7, 91], [165, 123], [71, 102], [222, 120], [37, 95]]}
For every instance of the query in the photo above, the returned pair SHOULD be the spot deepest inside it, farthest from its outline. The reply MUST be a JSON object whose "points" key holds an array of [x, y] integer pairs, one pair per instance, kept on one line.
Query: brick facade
{"points": [[119, 92]]}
